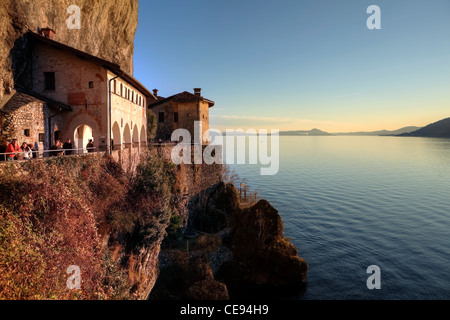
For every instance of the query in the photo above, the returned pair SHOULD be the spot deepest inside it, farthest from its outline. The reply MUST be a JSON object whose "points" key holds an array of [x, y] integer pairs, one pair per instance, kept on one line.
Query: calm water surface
{"points": [[351, 202]]}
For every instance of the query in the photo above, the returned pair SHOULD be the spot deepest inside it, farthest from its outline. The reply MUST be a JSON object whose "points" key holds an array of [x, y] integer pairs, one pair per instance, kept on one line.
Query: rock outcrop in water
{"points": [[253, 255], [262, 256], [107, 30]]}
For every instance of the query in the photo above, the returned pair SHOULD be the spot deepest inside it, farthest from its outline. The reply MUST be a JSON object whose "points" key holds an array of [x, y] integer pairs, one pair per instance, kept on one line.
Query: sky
{"points": [[300, 64]]}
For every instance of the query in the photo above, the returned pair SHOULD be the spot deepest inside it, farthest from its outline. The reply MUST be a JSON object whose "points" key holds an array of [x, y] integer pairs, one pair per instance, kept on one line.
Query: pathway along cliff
{"points": [[249, 258]]}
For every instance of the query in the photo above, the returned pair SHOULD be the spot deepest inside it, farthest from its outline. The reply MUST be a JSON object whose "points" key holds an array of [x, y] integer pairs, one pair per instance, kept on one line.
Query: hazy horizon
{"points": [[297, 65], [310, 129]]}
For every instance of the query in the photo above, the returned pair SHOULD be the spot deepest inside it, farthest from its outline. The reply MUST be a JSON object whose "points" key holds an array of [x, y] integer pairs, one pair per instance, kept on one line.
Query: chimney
{"points": [[48, 33], [198, 92], [155, 92]]}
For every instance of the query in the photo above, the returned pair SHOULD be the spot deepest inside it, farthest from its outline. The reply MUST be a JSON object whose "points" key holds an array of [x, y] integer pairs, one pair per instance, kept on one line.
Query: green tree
{"points": [[151, 125]]}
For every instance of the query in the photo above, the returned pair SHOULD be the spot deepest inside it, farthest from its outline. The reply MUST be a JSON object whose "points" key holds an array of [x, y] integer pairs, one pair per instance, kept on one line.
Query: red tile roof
{"points": [[182, 97]]}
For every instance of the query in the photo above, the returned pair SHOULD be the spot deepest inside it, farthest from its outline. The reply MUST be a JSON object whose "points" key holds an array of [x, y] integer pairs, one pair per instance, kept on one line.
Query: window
{"points": [[161, 117], [26, 132], [175, 117], [49, 80], [115, 86], [91, 84], [132, 96], [121, 90]]}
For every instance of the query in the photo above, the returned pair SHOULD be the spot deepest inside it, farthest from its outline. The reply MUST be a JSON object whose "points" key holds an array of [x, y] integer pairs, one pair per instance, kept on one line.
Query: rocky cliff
{"points": [[249, 258], [107, 29]]}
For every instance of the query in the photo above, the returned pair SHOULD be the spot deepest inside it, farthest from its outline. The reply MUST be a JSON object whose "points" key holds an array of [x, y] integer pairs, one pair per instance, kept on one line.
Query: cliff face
{"points": [[249, 258], [107, 29]]}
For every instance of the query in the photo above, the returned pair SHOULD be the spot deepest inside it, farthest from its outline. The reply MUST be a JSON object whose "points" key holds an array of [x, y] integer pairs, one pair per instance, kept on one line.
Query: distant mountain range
{"points": [[317, 132], [313, 132], [440, 129], [380, 132]]}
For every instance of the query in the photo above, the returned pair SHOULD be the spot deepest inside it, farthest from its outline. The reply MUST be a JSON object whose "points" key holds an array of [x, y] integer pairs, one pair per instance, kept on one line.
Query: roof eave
{"points": [[113, 67], [50, 102]]}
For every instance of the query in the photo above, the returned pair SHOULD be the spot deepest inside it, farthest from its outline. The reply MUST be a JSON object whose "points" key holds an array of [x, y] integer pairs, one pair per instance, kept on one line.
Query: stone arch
{"points": [[127, 135], [82, 135], [135, 134], [143, 134], [83, 121], [116, 136]]}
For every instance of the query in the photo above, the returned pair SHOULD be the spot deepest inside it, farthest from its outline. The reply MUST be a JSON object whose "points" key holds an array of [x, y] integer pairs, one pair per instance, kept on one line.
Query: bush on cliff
{"points": [[62, 211], [56, 207]]}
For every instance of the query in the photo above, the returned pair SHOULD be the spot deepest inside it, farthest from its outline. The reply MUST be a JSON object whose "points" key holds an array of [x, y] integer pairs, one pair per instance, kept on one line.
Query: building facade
{"points": [[74, 95], [181, 111]]}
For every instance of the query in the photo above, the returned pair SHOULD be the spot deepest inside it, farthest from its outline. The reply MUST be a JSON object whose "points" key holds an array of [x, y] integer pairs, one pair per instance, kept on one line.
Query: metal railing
{"points": [[36, 154], [247, 197]]}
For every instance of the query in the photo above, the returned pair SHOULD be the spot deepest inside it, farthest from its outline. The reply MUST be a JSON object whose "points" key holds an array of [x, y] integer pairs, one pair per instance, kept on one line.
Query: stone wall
{"points": [[25, 118], [72, 78], [188, 113], [200, 177], [129, 156], [196, 177]]}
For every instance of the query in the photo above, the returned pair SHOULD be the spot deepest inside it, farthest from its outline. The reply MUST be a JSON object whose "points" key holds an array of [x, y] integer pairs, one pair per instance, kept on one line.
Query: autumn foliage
{"points": [[72, 211]]}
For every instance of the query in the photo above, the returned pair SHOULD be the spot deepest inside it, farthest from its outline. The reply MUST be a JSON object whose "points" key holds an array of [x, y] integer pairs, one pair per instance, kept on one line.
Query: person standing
{"points": [[56, 149], [68, 146], [12, 150], [90, 146]]}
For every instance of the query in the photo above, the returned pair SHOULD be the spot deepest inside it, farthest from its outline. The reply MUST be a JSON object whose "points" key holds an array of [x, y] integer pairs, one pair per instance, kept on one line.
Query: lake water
{"points": [[351, 202]]}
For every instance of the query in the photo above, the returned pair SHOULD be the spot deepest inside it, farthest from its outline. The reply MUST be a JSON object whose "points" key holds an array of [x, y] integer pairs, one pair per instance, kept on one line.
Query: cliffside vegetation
{"points": [[85, 212]]}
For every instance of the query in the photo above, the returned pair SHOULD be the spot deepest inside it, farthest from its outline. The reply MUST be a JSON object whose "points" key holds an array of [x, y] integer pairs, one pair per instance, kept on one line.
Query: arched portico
{"points": [[81, 129]]}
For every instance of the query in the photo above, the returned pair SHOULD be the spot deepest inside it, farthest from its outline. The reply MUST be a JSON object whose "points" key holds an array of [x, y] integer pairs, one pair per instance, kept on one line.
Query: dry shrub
{"points": [[206, 242], [52, 214], [58, 212]]}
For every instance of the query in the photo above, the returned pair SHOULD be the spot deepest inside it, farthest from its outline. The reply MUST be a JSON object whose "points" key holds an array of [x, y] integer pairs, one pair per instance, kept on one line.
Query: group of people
{"points": [[12, 151], [60, 149], [15, 152]]}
